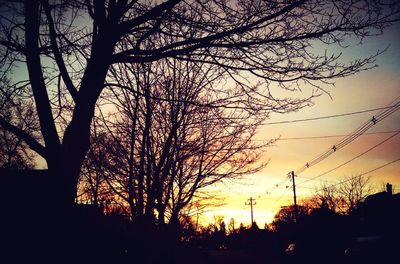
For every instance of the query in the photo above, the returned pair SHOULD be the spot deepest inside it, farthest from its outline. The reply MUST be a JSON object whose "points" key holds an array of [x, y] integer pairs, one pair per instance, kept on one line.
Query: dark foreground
{"points": [[35, 229]]}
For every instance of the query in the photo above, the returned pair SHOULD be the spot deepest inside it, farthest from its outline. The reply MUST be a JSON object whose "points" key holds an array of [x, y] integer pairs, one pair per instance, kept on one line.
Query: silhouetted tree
{"points": [[354, 190], [343, 198], [14, 155], [69, 46], [93, 187], [167, 150], [188, 228], [326, 197], [14, 152], [285, 218]]}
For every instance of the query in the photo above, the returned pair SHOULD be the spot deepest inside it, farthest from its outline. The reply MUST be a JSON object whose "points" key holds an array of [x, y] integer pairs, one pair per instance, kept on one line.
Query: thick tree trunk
{"points": [[76, 141], [65, 159], [173, 223]]}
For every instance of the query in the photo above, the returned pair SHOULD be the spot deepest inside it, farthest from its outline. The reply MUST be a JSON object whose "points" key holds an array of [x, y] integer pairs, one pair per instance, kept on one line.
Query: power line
{"points": [[335, 136], [388, 110], [356, 157], [276, 186], [304, 187], [324, 136], [365, 173], [308, 119], [329, 116], [352, 178], [282, 195], [354, 135]]}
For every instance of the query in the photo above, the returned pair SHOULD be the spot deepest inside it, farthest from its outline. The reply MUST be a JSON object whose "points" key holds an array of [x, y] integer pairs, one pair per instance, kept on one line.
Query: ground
{"points": [[223, 256]]}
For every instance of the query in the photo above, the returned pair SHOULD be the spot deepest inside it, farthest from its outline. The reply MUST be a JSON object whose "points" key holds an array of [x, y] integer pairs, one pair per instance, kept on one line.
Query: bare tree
{"points": [[343, 198], [17, 116], [68, 48], [171, 142], [327, 197], [14, 154], [354, 190], [92, 186]]}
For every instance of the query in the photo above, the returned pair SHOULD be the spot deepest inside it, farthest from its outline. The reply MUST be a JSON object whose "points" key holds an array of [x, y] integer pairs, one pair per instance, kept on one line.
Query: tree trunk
{"points": [[67, 166]]}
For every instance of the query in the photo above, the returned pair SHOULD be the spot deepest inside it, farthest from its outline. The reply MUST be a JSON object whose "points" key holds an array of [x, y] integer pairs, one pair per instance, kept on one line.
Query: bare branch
{"points": [[32, 143]]}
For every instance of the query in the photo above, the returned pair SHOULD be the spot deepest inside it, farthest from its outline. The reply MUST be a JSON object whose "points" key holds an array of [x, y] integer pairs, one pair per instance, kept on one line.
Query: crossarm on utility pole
{"points": [[251, 202]]}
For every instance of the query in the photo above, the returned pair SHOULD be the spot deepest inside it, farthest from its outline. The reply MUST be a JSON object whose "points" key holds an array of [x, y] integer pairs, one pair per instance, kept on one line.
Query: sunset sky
{"points": [[157, 131], [367, 90], [372, 89]]}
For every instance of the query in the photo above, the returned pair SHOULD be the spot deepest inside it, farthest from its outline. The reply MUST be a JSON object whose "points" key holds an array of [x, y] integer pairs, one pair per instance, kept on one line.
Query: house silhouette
{"points": [[380, 212]]}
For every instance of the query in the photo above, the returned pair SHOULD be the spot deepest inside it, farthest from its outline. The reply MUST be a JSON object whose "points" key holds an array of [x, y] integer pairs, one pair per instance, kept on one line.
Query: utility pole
{"points": [[294, 196], [251, 202]]}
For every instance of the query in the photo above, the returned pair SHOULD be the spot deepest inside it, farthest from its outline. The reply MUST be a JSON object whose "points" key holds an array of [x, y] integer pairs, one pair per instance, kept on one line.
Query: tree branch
{"points": [[29, 140], [149, 15], [33, 62], [193, 44], [57, 54]]}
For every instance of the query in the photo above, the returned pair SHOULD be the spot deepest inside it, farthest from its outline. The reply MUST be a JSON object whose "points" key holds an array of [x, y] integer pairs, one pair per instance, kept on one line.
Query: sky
{"points": [[372, 89], [271, 187]]}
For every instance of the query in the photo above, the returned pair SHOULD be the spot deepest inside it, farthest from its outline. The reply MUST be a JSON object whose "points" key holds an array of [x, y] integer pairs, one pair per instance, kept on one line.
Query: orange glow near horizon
{"points": [[367, 90]]}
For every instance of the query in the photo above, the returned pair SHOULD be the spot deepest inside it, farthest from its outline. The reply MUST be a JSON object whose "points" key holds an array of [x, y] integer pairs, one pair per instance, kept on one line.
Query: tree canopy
{"points": [[58, 56]]}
